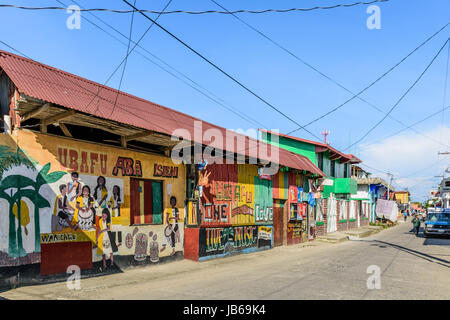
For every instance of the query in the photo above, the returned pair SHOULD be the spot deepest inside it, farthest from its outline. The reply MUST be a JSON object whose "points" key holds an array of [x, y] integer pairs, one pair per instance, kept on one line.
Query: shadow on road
{"points": [[427, 257]]}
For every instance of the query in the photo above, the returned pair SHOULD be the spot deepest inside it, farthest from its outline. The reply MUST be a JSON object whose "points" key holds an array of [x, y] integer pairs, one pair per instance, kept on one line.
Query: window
{"points": [[345, 170], [146, 201], [332, 168], [320, 161]]}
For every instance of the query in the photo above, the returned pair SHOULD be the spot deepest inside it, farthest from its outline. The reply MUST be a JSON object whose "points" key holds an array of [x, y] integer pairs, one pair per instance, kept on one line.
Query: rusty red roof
{"points": [[52, 85]]}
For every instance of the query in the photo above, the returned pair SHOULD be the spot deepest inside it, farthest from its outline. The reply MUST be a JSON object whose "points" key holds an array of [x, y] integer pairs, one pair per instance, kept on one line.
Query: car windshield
{"points": [[439, 216]]}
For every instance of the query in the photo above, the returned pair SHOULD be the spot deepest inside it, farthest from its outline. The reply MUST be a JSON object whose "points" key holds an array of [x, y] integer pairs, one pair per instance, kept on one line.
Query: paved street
{"points": [[411, 268]]}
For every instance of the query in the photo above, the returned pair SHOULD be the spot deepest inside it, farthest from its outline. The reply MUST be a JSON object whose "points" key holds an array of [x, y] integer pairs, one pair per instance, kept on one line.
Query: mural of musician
{"points": [[63, 212], [84, 214], [115, 201], [103, 242], [172, 230]]}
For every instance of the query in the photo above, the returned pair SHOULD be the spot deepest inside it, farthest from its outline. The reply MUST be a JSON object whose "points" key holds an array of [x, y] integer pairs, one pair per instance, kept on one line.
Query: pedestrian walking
{"points": [[405, 214], [416, 223]]}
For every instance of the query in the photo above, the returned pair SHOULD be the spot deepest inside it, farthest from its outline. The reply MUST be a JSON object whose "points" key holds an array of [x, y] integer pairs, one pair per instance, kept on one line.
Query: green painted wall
{"points": [[341, 186], [305, 149], [326, 163], [345, 185]]}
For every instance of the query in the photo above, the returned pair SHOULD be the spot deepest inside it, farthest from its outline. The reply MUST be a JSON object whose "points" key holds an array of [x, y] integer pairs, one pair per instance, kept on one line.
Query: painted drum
{"points": [[140, 253], [168, 231], [85, 219]]}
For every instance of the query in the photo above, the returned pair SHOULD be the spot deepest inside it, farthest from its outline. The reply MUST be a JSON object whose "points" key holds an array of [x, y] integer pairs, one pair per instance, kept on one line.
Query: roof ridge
{"points": [[15, 64]]}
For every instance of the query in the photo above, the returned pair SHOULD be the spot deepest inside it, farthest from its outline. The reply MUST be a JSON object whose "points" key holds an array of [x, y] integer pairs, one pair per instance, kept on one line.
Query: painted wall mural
{"points": [[216, 242], [60, 191], [235, 195], [21, 199], [236, 211]]}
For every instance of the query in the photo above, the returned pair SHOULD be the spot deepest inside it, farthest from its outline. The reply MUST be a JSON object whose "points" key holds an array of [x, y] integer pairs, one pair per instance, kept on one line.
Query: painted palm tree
{"points": [[15, 188]]}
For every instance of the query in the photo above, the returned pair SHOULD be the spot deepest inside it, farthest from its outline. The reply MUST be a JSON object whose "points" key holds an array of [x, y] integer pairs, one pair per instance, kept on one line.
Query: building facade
{"points": [[89, 174], [338, 206]]}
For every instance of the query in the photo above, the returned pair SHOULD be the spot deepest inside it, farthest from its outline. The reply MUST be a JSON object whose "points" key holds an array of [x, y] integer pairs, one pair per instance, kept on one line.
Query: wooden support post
{"points": [[35, 112], [123, 142], [58, 117], [125, 139], [65, 130]]}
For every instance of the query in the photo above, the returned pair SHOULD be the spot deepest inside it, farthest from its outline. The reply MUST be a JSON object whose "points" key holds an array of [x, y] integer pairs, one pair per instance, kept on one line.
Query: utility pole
{"points": [[448, 169], [389, 184]]}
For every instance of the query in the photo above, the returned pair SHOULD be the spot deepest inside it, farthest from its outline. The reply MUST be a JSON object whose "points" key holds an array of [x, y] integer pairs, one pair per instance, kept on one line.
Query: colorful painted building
{"points": [[90, 175], [59, 188], [338, 206]]}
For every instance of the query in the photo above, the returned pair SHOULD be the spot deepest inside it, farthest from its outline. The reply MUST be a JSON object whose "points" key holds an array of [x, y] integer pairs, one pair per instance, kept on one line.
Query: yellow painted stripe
{"points": [[191, 218], [141, 199], [283, 194]]}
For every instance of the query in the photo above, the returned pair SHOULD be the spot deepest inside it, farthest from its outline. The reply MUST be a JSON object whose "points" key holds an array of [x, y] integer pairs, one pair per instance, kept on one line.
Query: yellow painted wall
{"points": [[45, 149], [402, 197]]}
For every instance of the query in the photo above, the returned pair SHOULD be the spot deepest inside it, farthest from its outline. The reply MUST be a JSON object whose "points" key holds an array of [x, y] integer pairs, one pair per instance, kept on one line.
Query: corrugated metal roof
{"points": [[68, 90]]}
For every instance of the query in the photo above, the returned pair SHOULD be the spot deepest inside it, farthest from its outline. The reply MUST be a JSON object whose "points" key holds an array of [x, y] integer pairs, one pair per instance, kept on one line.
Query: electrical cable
{"points": [[414, 124], [400, 99], [200, 12], [219, 69], [126, 60], [313, 67], [87, 90], [373, 83], [211, 96]]}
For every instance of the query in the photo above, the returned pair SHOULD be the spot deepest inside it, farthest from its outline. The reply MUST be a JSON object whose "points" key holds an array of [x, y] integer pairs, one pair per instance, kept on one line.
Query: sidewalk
{"points": [[352, 234], [184, 265]]}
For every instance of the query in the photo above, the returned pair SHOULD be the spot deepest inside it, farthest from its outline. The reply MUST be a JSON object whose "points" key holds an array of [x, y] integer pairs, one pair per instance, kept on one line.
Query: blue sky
{"points": [[336, 41]]}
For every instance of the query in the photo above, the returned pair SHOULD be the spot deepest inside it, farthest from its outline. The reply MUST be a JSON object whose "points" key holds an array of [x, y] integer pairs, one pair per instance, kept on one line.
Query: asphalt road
{"points": [[410, 267]]}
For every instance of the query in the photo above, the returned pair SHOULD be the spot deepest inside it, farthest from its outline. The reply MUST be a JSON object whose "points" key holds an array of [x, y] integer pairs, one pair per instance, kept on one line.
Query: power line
{"points": [[87, 90], [424, 168], [219, 69], [444, 99], [200, 12], [401, 98], [126, 59], [381, 171], [414, 124], [373, 83], [211, 96], [83, 88], [14, 49], [312, 67]]}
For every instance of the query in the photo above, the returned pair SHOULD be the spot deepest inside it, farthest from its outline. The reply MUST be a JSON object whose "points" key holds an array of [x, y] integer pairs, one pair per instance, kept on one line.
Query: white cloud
{"points": [[411, 157]]}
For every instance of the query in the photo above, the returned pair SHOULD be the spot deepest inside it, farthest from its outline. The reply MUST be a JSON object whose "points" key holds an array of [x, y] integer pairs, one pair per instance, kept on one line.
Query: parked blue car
{"points": [[437, 224]]}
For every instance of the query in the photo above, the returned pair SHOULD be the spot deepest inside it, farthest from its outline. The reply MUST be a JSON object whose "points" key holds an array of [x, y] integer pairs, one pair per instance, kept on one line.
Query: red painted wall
{"points": [[56, 257], [191, 243]]}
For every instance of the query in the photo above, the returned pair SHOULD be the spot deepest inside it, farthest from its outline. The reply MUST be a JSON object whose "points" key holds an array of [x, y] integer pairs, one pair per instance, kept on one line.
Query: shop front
{"points": [[233, 212]]}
